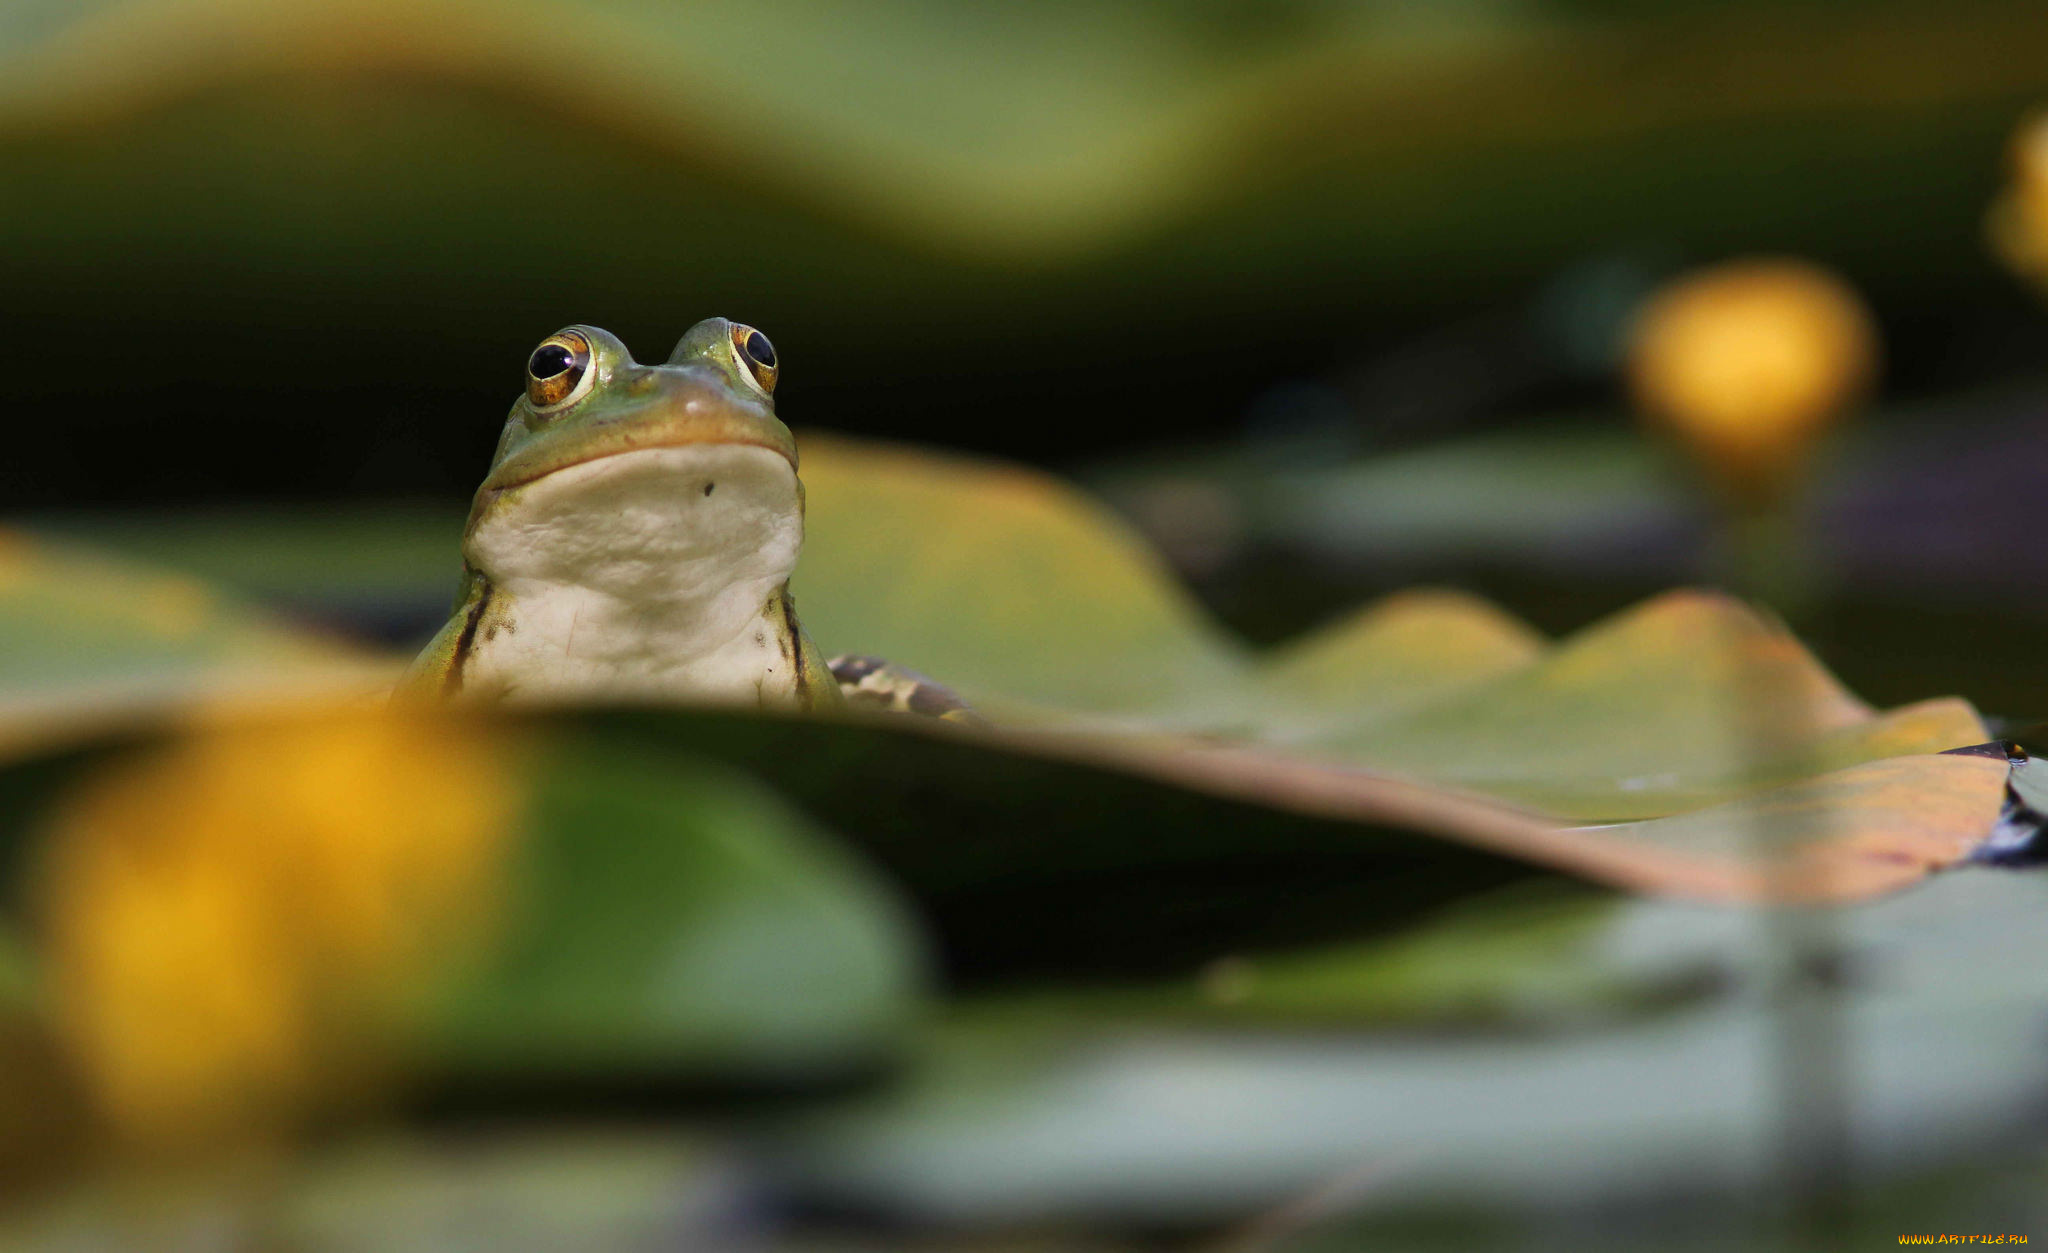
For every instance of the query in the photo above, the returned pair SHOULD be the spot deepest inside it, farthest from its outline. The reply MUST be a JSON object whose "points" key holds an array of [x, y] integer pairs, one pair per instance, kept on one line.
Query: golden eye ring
{"points": [[558, 373], [756, 357]]}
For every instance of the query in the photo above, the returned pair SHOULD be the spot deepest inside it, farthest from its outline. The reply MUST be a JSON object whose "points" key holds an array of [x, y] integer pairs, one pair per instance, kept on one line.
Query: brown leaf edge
{"points": [[1893, 822]]}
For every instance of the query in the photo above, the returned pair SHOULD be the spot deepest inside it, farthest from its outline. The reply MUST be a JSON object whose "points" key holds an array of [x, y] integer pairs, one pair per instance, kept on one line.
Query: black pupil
{"points": [[550, 360], [760, 349]]}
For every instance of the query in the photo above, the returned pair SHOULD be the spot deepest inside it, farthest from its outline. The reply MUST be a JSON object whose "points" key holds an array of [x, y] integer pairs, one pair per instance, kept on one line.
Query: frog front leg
{"points": [[438, 669], [872, 683]]}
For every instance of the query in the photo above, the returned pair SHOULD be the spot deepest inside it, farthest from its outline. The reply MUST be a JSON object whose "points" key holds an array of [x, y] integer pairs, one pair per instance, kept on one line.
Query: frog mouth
{"points": [[667, 410], [627, 441]]}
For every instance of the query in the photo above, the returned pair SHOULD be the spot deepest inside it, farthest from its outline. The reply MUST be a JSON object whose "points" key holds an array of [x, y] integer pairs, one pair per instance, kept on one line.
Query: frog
{"points": [[634, 539]]}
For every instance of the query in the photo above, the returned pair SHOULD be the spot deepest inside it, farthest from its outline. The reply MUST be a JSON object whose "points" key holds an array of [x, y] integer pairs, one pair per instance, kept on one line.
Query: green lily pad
{"points": [[955, 567], [543, 901], [1428, 712], [671, 917], [1508, 958], [344, 559], [1023, 593], [1036, 851], [1667, 706], [1407, 651], [17, 975], [1110, 1121], [1073, 132], [88, 638], [669, 922]]}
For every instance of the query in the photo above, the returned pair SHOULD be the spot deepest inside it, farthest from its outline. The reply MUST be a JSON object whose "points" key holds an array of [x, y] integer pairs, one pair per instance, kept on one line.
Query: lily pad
{"points": [[1429, 712], [673, 918], [1406, 651], [1020, 591], [1520, 957], [1072, 133], [1667, 706], [88, 638], [243, 921], [954, 566], [1158, 1123]]}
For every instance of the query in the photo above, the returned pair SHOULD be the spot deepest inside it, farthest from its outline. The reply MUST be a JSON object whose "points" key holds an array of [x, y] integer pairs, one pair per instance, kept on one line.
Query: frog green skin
{"points": [[635, 536]]}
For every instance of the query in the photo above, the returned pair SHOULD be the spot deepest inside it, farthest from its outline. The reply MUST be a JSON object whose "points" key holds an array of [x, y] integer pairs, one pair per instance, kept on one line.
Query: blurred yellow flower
{"points": [[1748, 362], [234, 920], [2018, 223]]}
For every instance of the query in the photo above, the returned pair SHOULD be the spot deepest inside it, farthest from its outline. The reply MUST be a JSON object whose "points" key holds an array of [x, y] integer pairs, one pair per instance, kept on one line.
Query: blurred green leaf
{"points": [[537, 1190], [372, 891], [525, 1189], [72, 617], [1025, 847], [603, 1190], [672, 917], [88, 637], [1039, 134], [672, 924], [1522, 955], [1162, 1125], [341, 558], [17, 973], [42, 1121], [1426, 712]]}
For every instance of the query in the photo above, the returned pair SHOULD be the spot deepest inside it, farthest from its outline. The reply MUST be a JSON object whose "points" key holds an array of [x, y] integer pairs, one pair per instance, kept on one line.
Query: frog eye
{"points": [[559, 370], [756, 356]]}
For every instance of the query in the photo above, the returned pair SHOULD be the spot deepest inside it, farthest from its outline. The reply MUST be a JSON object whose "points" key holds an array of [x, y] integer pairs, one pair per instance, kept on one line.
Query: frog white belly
{"points": [[644, 575]]}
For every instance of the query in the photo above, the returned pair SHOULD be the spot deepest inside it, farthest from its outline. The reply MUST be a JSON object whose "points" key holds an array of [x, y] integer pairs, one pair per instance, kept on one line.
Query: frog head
{"points": [[587, 399], [646, 483]]}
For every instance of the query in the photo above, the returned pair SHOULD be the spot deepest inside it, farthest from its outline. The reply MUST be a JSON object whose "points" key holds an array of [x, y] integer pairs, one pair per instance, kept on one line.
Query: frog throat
{"points": [[655, 573]]}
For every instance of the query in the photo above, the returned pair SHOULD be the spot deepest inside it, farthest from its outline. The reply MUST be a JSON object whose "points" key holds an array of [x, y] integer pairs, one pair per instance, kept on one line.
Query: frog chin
{"points": [[656, 573]]}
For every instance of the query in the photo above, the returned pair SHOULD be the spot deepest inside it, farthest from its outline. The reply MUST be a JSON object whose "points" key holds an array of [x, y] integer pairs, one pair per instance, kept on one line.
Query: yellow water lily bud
{"points": [[232, 920], [2018, 222], [1748, 362]]}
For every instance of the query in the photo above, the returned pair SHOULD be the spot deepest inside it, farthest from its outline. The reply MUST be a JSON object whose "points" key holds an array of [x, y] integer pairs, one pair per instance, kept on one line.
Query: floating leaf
{"points": [[89, 639], [1428, 712], [1521, 956], [336, 562], [1405, 651], [1023, 593], [249, 920], [1087, 1121], [599, 1189], [945, 564], [674, 918], [1660, 708], [1070, 135]]}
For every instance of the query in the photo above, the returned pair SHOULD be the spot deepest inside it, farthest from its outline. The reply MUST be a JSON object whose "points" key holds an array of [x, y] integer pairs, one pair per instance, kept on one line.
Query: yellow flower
{"points": [[1748, 362], [2018, 223], [235, 920]]}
